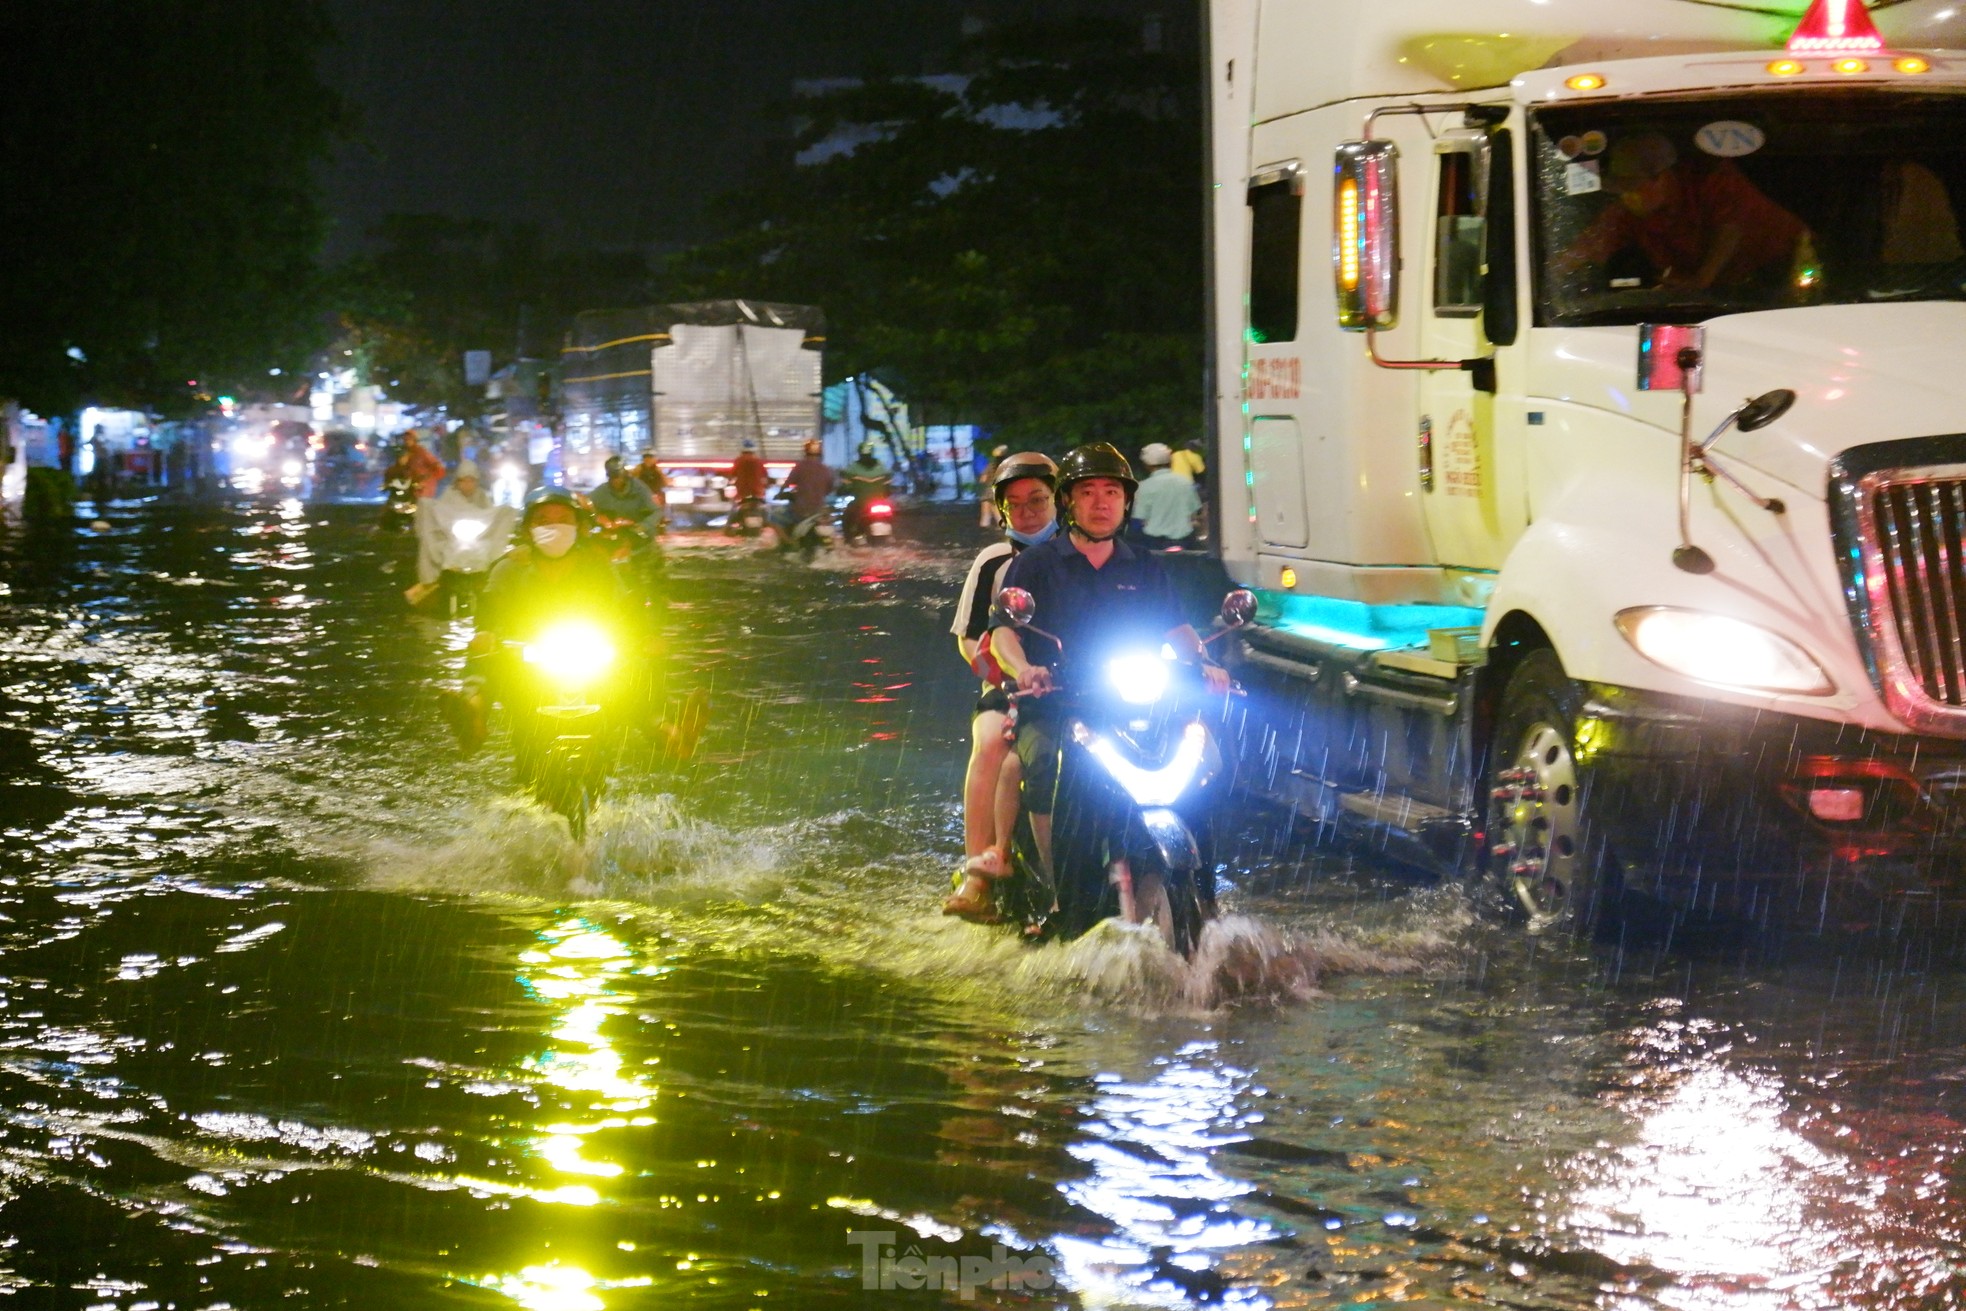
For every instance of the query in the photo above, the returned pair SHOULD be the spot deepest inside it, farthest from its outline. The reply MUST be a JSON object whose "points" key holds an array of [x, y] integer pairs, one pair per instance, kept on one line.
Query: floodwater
{"points": [[298, 1007]]}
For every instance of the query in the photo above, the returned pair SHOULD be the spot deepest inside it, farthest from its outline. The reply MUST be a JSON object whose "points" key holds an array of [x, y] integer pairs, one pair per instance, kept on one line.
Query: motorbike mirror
{"points": [[1014, 607], [1764, 409], [1238, 607]]}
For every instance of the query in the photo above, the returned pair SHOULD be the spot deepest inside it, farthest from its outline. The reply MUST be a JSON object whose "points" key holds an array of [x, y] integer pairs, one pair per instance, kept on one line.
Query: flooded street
{"points": [[297, 1005]]}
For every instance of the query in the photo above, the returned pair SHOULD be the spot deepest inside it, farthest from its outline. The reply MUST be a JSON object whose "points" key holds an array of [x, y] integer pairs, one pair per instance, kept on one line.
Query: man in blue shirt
{"points": [[1099, 597]]}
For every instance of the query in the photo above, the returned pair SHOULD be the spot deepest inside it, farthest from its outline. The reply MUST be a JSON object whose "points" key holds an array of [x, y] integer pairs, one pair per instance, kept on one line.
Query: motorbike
{"points": [[399, 505], [747, 517], [558, 729], [466, 553], [635, 552], [870, 520], [808, 536], [1139, 774]]}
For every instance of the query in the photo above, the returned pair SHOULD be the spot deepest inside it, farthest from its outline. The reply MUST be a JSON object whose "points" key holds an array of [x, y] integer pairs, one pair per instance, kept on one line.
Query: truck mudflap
{"points": [[1701, 803]]}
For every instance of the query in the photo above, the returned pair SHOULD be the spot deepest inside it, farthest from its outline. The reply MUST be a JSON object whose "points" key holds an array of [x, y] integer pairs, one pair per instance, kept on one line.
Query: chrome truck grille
{"points": [[1903, 543]]}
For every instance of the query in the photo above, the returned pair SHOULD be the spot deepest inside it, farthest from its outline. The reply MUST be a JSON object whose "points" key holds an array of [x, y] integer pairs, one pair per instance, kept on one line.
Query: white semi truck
{"points": [[1591, 424]]}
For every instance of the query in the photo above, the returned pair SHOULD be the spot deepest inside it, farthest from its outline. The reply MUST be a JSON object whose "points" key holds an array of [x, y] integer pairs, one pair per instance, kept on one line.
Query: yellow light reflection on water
{"points": [[574, 969]]}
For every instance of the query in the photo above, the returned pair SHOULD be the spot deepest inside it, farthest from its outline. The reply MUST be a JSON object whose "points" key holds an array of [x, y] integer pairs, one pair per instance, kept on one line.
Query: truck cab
{"points": [[1590, 426]]}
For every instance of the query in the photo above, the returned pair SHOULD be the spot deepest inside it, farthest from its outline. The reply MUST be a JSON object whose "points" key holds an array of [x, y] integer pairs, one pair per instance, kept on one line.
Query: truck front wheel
{"points": [[1541, 851]]}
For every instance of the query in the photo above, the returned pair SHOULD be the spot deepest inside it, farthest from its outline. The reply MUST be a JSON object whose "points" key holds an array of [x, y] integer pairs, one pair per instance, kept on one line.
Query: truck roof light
{"points": [[1833, 27], [1912, 64], [1585, 82], [1786, 67]]}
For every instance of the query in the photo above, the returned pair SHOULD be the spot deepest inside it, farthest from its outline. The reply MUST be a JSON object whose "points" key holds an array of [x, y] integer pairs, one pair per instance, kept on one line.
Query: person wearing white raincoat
{"points": [[461, 530]]}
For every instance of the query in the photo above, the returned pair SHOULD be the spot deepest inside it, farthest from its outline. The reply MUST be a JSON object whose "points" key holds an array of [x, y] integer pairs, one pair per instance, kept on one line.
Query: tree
{"points": [[161, 220], [1022, 247], [436, 287]]}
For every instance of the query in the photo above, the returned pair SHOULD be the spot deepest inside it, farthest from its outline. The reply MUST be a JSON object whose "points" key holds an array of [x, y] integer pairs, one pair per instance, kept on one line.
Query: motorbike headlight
{"points": [[466, 531], [1139, 679], [291, 468], [1713, 648], [574, 653], [1150, 787]]}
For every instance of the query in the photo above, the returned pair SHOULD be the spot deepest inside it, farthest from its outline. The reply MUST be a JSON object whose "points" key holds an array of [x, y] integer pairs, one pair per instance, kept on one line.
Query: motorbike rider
{"points": [[748, 479], [806, 487], [650, 474], [624, 504], [866, 481], [1097, 595], [441, 547], [422, 467], [556, 571], [1023, 492]]}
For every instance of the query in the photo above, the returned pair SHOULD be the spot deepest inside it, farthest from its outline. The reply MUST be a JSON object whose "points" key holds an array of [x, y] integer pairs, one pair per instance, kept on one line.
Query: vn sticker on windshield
{"points": [[1730, 138]]}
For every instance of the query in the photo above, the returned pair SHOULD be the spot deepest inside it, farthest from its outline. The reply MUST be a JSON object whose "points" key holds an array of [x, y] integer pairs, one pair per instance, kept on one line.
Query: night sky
{"points": [[604, 122]]}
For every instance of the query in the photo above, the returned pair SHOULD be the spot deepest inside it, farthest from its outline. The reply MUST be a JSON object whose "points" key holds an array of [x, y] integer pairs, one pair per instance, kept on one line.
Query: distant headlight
{"points": [[466, 531], [291, 469], [572, 653], [1139, 679], [1713, 648]]}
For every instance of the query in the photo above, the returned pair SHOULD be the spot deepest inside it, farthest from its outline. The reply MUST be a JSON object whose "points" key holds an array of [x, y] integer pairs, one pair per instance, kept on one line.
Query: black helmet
{"points": [[1025, 464], [614, 467], [866, 450], [555, 496], [1095, 460]]}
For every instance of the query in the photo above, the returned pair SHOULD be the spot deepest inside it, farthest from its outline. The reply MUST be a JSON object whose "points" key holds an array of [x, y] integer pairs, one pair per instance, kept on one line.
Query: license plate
{"points": [[879, 529]]}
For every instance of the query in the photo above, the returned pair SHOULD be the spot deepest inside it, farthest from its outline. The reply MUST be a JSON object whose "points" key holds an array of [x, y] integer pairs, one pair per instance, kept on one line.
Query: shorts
{"points": [[1037, 752], [992, 698]]}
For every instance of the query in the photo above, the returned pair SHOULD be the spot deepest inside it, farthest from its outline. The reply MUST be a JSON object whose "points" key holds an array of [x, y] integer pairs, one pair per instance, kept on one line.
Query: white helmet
{"points": [[1156, 455]]}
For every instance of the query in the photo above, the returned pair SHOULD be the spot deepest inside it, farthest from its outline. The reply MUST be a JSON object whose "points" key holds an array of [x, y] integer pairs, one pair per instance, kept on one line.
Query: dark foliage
{"points": [[1022, 251], [436, 287], [156, 197]]}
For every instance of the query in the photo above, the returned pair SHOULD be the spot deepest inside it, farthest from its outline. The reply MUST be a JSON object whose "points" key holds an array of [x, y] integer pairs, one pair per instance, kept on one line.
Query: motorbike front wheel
{"points": [[1169, 901]]}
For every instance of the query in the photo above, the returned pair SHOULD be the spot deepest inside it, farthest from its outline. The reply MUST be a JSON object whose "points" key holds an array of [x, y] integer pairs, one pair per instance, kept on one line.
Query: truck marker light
{"points": [[1348, 234], [1786, 67], [1851, 66], [1834, 26], [1287, 579], [1585, 82], [1912, 64]]}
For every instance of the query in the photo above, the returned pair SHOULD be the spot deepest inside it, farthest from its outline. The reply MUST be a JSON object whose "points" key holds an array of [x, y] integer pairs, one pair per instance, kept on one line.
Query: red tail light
{"points": [[880, 510]]}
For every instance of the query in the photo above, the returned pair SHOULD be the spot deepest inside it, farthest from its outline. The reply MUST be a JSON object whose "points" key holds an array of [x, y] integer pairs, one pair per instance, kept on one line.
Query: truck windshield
{"points": [[1681, 210]]}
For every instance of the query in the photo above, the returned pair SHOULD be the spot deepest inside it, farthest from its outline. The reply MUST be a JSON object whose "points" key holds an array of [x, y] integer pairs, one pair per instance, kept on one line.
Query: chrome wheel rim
{"points": [[1535, 844]]}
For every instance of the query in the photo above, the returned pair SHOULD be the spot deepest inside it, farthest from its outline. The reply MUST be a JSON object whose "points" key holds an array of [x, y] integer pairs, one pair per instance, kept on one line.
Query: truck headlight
{"points": [[1139, 679], [572, 653], [1713, 648]]}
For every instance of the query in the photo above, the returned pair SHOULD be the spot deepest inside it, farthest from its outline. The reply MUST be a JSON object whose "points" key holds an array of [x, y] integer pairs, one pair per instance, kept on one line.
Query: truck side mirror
{"points": [[1365, 234]]}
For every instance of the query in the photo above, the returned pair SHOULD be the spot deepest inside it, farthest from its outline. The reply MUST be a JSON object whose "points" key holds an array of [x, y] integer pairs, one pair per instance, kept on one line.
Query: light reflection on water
{"points": [[290, 992]]}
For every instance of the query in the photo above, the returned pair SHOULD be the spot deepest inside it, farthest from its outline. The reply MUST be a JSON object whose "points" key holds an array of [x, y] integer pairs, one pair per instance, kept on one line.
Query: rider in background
{"points": [[625, 505], [865, 481], [422, 467], [1165, 507], [1098, 596], [464, 499], [748, 479], [651, 476], [1024, 497], [807, 486]]}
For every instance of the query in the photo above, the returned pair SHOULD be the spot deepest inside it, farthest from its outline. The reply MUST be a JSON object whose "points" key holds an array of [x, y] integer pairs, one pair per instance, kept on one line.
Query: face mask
{"points": [[553, 539], [1043, 534]]}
